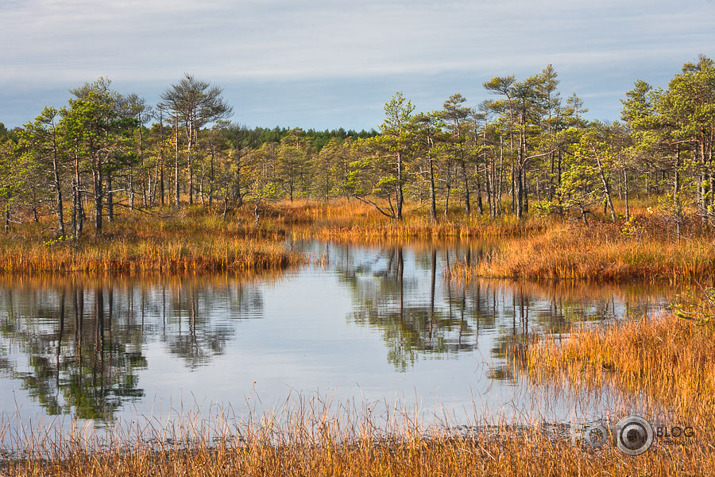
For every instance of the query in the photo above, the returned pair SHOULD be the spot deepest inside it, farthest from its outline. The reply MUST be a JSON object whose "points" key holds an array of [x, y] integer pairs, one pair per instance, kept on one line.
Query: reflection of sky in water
{"points": [[363, 323]]}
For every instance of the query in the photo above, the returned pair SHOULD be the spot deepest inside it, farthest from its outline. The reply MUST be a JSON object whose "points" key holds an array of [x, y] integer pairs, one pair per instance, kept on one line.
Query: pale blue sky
{"points": [[333, 63]]}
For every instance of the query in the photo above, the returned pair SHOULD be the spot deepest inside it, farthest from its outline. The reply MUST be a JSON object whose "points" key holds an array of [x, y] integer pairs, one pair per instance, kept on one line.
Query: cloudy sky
{"points": [[333, 63]]}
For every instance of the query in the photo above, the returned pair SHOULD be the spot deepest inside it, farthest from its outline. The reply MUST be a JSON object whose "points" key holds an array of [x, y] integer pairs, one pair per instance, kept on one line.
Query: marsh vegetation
{"points": [[149, 246]]}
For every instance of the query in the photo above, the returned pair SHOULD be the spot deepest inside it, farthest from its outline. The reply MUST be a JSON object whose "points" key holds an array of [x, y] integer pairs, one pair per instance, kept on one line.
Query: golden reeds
{"points": [[315, 439], [601, 252], [670, 359], [667, 359], [538, 248], [139, 243]]}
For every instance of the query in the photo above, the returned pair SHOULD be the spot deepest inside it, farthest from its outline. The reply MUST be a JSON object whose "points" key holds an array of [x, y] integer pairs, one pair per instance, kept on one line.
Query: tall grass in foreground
{"points": [[312, 440], [666, 360]]}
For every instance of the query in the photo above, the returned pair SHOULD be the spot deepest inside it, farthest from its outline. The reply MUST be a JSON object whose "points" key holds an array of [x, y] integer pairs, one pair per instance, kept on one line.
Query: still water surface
{"points": [[363, 323]]}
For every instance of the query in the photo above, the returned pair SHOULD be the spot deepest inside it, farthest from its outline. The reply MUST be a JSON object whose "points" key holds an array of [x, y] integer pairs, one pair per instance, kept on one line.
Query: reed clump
{"points": [[200, 238], [144, 255], [644, 247], [664, 362], [669, 359], [600, 252], [133, 243]]}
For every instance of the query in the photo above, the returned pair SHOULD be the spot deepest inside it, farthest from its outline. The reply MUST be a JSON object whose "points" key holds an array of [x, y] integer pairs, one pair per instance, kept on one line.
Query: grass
{"points": [[666, 360], [174, 255], [605, 252], [670, 359], [355, 221], [315, 438], [643, 248], [201, 239], [191, 241]]}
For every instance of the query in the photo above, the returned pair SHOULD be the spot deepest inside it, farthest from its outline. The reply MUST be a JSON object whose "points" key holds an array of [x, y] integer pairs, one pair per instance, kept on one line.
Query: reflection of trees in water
{"points": [[83, 340], [81, 359], [193, 334], [415, 317], [421, 313]]}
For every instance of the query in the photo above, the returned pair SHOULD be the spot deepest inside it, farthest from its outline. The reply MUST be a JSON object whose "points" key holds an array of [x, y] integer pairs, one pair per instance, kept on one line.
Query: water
{"points": [[359, 323]]}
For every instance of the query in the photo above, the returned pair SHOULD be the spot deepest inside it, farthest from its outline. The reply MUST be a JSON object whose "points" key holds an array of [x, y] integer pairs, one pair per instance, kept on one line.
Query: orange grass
{"points": [[354, 220], [534, 247], [599, 252], [136, 243], [200, 238], [670, 359], [172, 255], [311, 440]]}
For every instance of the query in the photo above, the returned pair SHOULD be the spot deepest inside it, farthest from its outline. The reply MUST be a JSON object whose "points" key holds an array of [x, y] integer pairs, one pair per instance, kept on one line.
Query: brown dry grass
{"points": [[536, 247], [666, 359], [599, 252], [308, 441], [189, 241], [670, 359]]}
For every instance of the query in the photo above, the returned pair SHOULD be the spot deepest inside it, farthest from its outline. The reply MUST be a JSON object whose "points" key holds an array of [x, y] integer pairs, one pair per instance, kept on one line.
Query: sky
{"points": [[325, 64]]}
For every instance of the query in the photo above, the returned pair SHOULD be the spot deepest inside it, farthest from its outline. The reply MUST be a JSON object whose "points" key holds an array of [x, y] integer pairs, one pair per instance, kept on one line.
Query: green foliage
{"points": [[526, 150]]}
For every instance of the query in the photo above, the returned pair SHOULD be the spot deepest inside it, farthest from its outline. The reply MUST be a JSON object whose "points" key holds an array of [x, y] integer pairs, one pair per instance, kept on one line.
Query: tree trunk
{"points": [[478, 190], [400, 197], [465, 177], [447, 192], [176, 164], [519, 183], [58, 188], [551, 176], [98, 196], [77, 208], [212, 177], [501, 175], [161, 158], [513, 189], [433, 198], [676, 195], [525, 190], [110, 198], [190, 160], [625, 194], [131, 189], [583, 215], [606, 187]]}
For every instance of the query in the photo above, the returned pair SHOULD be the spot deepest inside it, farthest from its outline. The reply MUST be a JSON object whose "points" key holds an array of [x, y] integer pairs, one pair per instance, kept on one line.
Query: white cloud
{"points": [[55, 43]]}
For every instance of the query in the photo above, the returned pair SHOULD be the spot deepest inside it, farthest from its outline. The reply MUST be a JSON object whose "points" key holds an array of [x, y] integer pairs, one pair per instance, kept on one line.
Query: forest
{"points": [[525, 150]]}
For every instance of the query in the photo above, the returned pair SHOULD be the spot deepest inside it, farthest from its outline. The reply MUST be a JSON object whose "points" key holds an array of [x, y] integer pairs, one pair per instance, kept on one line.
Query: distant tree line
{"points": [[524, 150]]}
